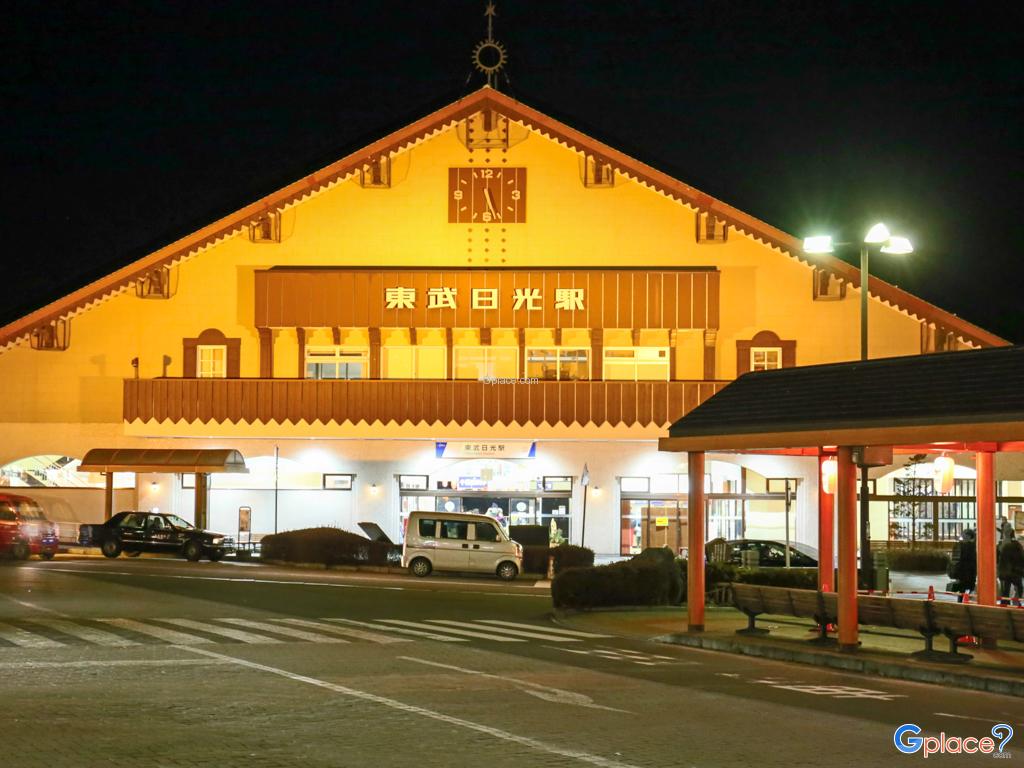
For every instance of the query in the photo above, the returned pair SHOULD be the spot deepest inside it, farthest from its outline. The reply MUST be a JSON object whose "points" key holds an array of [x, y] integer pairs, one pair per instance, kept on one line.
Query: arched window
{"points": [[766, 351], [211, 355]]}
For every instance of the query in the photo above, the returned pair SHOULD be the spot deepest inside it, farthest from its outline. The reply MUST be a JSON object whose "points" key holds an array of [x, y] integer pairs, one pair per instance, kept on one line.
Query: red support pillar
{"points": [[986, 505], [847, 492], [695, 535], [826, 533]]}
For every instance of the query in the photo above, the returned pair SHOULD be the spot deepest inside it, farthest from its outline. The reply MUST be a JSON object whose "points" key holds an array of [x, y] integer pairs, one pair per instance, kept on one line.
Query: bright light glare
{"points": [[877, 234], [818, 244], [898, 246]]}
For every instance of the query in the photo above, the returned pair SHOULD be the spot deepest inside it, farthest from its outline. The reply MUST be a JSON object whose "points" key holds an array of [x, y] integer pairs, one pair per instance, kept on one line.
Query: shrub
{"points": [[650, 578], [727, 573], [925, 559], [329, 546], [535, 558], [529, 535]]}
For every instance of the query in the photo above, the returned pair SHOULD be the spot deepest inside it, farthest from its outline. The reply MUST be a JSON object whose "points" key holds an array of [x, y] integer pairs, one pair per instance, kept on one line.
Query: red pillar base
{"points": [[849, 647], [694, 627]]}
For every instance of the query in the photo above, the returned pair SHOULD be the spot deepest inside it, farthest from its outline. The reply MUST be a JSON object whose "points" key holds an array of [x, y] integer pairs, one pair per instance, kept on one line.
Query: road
{"points": [[165, 663]]}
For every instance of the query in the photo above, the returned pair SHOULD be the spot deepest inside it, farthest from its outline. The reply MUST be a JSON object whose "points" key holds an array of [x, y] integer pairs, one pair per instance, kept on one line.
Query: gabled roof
{"points": [[444, 118], [976, 395]]}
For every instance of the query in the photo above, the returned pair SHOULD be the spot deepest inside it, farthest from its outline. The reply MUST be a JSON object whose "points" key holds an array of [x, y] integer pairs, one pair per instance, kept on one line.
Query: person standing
{"points": [[963, 567], [1011, 568]]}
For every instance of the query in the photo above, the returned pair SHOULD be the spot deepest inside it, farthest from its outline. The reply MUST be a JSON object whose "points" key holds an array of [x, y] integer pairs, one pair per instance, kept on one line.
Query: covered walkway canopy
{"points": [[201, 461], [956, 401]]}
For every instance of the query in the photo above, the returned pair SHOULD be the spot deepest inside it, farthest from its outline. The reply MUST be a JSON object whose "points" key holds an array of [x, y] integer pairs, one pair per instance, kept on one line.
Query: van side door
{"points": [[488, 547], [452, 552]]}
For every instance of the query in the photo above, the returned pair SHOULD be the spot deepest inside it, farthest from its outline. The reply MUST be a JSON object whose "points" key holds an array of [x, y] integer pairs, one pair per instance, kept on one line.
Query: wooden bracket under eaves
{"points": [[266, 228], [711, 229]]}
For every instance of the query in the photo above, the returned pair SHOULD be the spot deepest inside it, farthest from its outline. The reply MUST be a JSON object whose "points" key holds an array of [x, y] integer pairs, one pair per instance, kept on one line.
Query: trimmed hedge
{"points": [[530, 535], [928, 559], [329, 546], [650, 578], [535, 558], [727, 573]]}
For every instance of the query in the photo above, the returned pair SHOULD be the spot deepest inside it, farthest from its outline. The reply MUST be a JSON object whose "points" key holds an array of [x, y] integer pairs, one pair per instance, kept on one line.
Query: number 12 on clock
{"points": [[486, 195]]}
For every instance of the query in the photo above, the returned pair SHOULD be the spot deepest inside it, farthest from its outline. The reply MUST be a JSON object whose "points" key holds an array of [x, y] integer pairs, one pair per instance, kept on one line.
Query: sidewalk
{"points": [[883, 652]]}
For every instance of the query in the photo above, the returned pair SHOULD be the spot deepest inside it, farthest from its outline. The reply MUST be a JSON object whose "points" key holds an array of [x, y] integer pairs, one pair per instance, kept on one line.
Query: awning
{"points": [[159, 460]]}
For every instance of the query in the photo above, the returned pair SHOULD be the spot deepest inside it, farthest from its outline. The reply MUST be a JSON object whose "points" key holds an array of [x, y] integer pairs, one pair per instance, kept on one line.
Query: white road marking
{"points": [[111, 663], [832, 691], [554, 695], [33, 606], [161, 633], [631, 657], [360, 634], [969, 717], [298, 634], [536, 635], [89, 634], [559, 631], [463, 632], [496, 733], [26, 639], [234, 634], [417, 633]]}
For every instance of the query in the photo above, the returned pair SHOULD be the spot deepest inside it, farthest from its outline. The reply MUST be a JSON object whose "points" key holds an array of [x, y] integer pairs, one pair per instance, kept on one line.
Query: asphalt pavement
{"points": [[146, 662]]}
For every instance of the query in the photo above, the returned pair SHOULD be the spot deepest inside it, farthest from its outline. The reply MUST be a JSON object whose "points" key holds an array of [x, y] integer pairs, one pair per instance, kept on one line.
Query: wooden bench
{"points": [[927, 617]]}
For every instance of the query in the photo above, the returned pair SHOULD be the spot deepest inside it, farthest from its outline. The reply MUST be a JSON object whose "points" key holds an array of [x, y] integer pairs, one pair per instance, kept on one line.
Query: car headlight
{"points": [[217, 541]]}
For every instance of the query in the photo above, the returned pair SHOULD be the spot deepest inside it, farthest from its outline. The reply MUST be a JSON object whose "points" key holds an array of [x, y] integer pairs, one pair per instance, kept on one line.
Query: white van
{"points": [[459, 542]]}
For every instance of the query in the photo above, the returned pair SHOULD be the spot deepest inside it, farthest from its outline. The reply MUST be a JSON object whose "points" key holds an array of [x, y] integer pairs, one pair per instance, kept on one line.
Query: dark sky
{"points": [[127, 124]]}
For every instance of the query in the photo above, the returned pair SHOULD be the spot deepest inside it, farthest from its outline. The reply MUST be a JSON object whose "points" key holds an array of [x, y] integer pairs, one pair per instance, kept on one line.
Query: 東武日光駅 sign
{"points": [[477, 449]]}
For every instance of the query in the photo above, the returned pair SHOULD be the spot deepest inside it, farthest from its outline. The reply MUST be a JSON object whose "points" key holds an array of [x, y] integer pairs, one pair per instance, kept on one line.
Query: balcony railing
{"points": [[643, 403]]}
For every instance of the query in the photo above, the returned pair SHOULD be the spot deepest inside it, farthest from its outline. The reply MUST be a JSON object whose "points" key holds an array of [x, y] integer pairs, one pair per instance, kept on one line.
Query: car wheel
{"points": [[111, 548], [507, 571], [215, 556], [133, 552], [193, 551], [420, 567], [20, 550], [47, 555]]}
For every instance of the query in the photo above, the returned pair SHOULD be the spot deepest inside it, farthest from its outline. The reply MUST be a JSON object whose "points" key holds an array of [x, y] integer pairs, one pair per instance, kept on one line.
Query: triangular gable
{"points": [[446, 117]]}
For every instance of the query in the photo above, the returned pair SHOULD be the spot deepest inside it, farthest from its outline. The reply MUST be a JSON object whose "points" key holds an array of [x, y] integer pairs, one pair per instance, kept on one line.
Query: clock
{"points": [[486, 195]]}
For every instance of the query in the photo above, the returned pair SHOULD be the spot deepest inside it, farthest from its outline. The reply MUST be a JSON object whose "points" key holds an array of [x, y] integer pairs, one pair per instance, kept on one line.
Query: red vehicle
{"points": [[24, 529]]}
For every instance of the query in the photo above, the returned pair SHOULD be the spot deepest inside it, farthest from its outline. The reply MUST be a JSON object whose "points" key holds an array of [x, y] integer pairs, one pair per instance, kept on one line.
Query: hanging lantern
{"points": [[943, 477], [829, 473]]}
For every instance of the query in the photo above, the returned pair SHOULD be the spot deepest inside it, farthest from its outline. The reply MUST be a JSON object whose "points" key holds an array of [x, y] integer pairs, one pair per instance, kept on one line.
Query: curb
{"points": [[853, 663], [322, 567]]}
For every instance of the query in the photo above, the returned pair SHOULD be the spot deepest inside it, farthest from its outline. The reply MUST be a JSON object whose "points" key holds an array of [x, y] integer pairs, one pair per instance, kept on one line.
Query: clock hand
{"points": [[489, 198]]}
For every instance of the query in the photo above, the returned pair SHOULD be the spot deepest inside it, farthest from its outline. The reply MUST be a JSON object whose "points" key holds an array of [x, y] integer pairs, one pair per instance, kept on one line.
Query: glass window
{"points": [[454, 529], [636, 363], [7, 512], [557, 483], [338, 482], [177, 522], [409, 362], [486, 532], [558, 363], [337, 363], [132, 521], [427, 527], [668, 484], [486, 363], [211, 361], [413, 482], [635, 484], [765, 358]]}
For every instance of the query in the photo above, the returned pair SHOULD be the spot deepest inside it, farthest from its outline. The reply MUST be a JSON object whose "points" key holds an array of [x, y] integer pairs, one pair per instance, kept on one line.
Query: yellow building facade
{"points": [[465, 313]]}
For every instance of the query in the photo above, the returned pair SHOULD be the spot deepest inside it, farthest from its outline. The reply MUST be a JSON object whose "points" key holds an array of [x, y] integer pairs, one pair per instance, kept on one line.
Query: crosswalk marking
{"points": [[24, 639], [234, 634], [515, 632], [298, 634], [360, 634], [83, 632], [557, 631], [416, 632], [466, 632], [160, 633]]}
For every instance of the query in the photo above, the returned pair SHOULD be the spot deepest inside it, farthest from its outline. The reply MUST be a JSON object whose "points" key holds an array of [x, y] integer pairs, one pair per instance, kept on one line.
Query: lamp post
{"points": [[878, 236]]}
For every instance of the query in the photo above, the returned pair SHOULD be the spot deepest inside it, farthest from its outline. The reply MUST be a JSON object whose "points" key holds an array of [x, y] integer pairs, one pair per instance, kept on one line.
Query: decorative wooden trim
{"points": [[336, 336], [485, 337], [266, 352], [449, 353], [710, 353], [764, 339], [597, 354], [212, 337], [300, 335], [522, 353], [374, 334]]}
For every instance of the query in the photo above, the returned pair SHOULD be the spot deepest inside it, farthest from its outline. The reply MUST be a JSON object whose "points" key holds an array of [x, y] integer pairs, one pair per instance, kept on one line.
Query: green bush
{"points": [[535, 558], [529, 535], [727, 573], [328, 546], [925, 559], [650, 578]]}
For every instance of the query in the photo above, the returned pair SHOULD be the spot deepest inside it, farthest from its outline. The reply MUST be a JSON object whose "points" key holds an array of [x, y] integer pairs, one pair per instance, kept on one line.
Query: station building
{"points": [[486, 310]]}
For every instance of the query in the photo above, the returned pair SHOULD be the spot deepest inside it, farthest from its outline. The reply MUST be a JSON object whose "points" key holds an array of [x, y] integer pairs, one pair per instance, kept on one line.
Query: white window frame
{"points": [[558, 360], [488, 361], [207, 369], [417, 349], [338, 355], [768, 352], [640, 356]]}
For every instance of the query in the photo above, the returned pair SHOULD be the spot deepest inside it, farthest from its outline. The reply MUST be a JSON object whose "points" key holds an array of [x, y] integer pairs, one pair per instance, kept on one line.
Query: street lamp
{"points": [[896, 245]]}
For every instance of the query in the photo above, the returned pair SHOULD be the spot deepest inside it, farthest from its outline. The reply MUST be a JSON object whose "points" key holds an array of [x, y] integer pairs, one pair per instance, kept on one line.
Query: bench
{"points": [[927, 617]]}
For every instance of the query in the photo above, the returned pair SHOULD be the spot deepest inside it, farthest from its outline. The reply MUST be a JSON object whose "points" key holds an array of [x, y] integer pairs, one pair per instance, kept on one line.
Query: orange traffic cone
{"points": [[969, 640], [931, 592]]}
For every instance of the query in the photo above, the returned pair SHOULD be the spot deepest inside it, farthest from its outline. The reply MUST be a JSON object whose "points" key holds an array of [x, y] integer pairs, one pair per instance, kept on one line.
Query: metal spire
{"points": [[489, 55]]}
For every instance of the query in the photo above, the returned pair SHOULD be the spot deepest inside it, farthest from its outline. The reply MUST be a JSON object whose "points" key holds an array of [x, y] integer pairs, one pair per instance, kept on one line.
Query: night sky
{"points": [[128, 124]]}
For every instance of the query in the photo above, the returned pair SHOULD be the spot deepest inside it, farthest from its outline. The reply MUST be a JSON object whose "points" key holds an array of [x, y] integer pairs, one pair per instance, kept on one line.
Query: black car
{"points": [[766, 553], [137, 532]]}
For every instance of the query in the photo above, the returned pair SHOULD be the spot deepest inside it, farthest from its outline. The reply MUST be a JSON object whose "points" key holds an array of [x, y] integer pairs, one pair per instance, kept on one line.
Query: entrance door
{"points": [[653, 523], [452, 546]]}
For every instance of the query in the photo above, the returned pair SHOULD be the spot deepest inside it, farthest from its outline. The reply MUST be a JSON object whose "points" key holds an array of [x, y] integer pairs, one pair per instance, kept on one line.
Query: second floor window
{"points": [[765, 358], [636, 364], [486, 362], [558, 363], [336, 363], [211, 361], [414, 362]]}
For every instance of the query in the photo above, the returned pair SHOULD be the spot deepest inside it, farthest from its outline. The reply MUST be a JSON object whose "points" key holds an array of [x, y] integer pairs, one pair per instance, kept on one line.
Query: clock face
{"points": [[486, 195]]}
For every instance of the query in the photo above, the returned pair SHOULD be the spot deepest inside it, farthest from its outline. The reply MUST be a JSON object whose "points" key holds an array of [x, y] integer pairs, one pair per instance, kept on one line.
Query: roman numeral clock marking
{"points": [[486, 195]]}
